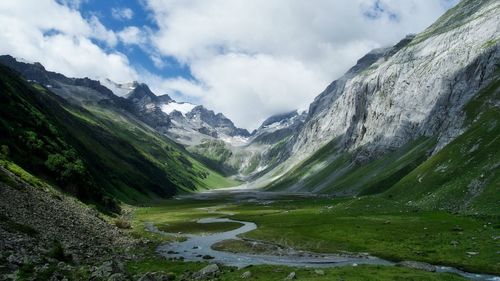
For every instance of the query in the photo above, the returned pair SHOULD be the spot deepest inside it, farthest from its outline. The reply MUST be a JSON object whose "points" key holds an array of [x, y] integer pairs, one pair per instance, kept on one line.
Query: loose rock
{"points": [[246, 275], [418, 265]]}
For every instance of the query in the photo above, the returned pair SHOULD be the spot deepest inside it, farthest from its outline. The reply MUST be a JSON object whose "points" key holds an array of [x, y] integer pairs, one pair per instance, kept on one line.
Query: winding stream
{"points": [[197, 246]]}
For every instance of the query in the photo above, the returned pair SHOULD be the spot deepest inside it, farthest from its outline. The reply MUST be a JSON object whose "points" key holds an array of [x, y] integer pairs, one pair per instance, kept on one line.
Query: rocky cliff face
{"points": [[416, 88], [369, 126]]}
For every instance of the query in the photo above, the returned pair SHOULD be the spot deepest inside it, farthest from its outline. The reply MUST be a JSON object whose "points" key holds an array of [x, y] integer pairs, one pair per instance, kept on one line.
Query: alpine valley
{"points": [[393, 172]]}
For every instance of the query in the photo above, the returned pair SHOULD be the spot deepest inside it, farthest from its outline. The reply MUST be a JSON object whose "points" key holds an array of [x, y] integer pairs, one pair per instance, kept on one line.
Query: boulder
{"points": [[291, 276], [209, 271], [246, 275]]}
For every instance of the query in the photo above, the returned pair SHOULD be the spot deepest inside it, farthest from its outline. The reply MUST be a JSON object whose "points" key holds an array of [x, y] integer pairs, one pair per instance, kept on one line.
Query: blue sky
{"points": [[108, 13], [246, 59]]}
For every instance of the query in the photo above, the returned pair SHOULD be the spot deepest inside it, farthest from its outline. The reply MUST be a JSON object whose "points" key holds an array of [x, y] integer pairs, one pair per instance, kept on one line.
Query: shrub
{"points": [[123, 224]]}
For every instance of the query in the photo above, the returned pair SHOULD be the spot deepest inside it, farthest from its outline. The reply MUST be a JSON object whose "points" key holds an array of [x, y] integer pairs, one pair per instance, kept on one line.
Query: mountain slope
{"points": [[463, 176], [395, 108], [97, 154]]}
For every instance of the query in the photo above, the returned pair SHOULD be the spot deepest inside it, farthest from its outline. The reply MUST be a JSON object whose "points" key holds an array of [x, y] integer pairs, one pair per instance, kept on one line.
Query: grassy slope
{"points": [[112, 154], [328, 172], [183, 169], [464, 175]]}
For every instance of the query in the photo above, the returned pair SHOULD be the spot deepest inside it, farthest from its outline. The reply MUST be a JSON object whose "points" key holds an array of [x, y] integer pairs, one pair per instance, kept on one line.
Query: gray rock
{"points": [[209, 271], [117, 277], [418, 265], [291, 276], [157, 276], [396, 95], [246, 275]]}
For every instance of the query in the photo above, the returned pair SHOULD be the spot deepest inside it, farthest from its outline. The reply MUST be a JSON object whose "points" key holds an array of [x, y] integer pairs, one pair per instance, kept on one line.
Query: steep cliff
{"points": [[396, 107]]}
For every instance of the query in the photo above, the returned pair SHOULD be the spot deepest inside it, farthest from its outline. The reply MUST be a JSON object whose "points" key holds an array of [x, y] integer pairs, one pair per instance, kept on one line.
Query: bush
{"points": [[4, 151], [57, 252], [123, 224]]}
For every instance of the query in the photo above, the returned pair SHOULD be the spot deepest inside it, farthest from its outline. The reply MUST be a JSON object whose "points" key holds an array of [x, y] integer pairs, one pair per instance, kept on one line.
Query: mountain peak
{"points": [[141, 91]]}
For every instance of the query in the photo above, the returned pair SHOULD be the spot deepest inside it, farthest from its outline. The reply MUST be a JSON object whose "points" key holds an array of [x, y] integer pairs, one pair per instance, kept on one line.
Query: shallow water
{"points": [[197, 246]]}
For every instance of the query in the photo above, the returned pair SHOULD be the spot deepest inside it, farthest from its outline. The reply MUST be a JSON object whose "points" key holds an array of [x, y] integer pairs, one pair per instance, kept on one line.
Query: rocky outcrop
{"points": [[279, 127], [40, 226], [200, 117], [417, 88]]}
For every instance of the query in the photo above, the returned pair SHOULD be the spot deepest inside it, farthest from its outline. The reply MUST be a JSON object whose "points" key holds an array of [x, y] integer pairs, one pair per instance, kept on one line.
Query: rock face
{"points": [[36, 221], [146, 105], [279, 127], [415, 89]]}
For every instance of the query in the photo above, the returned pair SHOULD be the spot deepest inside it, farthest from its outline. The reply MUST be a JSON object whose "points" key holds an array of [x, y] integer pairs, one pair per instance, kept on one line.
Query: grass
{"points": [[103, 152], [370, 224], [381, 228], [342, 273], [463, 176], [328, 171]]}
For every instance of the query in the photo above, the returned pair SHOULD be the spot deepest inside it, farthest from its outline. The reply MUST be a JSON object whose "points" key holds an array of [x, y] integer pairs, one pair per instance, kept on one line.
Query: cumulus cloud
{"points": [[248, 59], [254, 58], [132, 35], [61, 39], [122, 13]]}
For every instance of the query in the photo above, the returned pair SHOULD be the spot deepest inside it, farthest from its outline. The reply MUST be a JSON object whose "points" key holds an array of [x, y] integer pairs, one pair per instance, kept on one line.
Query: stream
{"points": [[197, 246]]}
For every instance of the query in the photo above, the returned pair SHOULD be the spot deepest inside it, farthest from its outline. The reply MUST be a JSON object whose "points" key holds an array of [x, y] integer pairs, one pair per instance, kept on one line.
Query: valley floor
{"points": [[371, 225]]}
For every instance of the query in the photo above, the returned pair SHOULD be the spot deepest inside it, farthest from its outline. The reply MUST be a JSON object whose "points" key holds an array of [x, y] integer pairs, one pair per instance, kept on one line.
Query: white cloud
{"points": [[255, 58], [61, 39], [122, 13], [249, 59], [132, 35]]}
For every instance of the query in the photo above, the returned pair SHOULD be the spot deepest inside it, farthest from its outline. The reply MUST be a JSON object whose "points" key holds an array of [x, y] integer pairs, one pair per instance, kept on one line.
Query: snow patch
{"points": [[183, 107], [118, 89], [235, 141]]}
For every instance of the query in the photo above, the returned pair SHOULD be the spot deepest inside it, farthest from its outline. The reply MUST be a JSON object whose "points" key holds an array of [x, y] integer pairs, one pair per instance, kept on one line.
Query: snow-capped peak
{"points": [[118, 89], [183, 107]]}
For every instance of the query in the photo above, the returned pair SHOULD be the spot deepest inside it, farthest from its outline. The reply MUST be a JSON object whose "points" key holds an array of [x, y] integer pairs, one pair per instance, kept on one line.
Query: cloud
{"points": [[254, 58], [61, 39], [132, 35], [248, 59], [122, 13]]}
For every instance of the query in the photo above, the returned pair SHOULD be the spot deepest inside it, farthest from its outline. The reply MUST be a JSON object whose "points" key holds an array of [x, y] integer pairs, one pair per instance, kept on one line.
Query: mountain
{"points": [[90, 144], [192, 126], [399, 109], [259, 153], [203, 132]]}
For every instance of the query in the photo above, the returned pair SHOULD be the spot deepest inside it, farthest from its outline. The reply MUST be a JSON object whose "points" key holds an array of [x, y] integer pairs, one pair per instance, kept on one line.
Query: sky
{"points": [[248, 59]]}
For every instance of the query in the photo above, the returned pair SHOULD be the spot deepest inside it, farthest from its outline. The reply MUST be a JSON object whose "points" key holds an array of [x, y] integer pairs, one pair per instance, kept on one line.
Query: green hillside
{"points": [[98, 154], [462, 177]]}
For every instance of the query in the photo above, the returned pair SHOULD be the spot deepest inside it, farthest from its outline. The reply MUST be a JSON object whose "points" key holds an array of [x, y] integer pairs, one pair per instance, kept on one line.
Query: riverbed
{"points": [[199, 248]]}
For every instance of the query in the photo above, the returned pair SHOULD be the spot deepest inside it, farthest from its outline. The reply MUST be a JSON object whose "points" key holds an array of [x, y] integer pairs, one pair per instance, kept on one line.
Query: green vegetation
{"points": [[98, 153], [370, 224], [327, 171], [463, 177], [465, 11]]}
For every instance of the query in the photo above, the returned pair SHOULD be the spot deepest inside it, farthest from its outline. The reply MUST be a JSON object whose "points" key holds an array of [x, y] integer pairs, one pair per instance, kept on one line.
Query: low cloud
{"points": [[254, 58]]}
